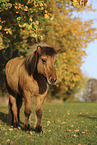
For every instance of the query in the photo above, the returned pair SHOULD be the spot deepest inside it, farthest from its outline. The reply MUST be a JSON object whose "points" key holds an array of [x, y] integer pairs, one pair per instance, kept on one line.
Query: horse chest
{"points": [[33, 86]]}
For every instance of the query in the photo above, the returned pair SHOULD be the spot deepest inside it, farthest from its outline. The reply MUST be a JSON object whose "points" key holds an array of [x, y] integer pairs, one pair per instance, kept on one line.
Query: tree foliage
{"points": [[20, 23], [80, 2], [25, 23], [72, 35]]}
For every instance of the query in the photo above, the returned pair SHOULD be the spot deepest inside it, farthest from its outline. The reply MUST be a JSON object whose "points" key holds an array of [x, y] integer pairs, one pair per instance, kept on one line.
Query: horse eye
{"points": [[43, 60]]}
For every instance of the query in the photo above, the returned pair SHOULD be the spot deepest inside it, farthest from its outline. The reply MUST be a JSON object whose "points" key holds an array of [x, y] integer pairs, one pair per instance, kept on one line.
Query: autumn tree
{"points": [[25, 23], [21, 25], [90, 92], [80, 2], [71, 35]]}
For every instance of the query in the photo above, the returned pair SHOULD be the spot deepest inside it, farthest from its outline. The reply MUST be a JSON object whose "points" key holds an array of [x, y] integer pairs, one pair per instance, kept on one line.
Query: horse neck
{"points": [[42, 82]]}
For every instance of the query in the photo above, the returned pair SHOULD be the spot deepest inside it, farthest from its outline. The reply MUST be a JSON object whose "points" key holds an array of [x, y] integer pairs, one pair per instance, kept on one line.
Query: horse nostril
{"points": [[55, 80]]}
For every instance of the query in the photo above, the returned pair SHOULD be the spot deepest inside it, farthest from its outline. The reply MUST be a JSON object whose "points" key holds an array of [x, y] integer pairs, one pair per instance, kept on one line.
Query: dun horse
{"points": [[26, 77]]}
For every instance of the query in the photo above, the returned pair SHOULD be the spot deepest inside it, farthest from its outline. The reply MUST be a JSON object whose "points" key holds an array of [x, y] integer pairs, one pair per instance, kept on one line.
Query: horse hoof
{"points": [[15, 125], [27, 127], [38, 129]]}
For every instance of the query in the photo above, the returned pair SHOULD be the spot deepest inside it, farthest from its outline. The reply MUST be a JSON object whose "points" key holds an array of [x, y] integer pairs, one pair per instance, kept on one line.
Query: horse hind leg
{"points": [[12, 115], [19, 105]]}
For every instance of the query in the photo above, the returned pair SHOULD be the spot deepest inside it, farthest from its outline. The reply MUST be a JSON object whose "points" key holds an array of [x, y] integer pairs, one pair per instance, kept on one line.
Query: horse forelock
{"points": [[48, 51]]}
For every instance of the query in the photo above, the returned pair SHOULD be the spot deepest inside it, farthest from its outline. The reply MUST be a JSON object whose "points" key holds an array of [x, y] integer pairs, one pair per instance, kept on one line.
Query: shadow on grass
{"points": [[87, 116], [3, 118]]}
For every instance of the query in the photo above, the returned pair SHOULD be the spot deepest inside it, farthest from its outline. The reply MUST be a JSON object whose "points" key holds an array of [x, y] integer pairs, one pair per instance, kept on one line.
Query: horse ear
{"points": [[39, 48]]}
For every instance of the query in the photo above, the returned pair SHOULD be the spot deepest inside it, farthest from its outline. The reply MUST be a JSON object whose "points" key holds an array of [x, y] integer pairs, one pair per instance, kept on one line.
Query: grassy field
{"points": [[63, 124]]}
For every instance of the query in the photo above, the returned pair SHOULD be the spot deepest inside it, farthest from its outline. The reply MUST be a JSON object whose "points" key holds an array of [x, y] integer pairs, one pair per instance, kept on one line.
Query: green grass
{"points": [[63, 124]]}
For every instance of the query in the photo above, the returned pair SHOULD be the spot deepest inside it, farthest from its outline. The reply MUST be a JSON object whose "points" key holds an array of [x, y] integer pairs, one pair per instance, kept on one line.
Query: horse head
{"points": [[43, 61], [45, 65]]}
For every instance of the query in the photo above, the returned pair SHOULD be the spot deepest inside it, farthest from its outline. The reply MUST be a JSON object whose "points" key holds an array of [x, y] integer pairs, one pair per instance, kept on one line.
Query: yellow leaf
{"points": [[75, 135], [63, 122], [68, 113], [31, 133], [0, 27], [11, 129], [45, 11], [48, 122], [19, 128], [41, 4], [68, 130], [46, 16], [49, 130], [76, 130], [8, 140]]}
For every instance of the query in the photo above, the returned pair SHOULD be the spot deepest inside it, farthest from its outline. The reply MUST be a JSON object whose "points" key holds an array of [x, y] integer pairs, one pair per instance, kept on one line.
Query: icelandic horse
{"points": [[26, 77]]}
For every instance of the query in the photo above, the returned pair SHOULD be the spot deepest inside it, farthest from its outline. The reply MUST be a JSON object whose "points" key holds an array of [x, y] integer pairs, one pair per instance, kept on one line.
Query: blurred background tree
{"points": [[80, 2], [90, 92], [25, 23]]}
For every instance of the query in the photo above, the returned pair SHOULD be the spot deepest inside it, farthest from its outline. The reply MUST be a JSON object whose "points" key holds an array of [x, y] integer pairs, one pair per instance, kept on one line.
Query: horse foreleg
{"points": [[12, 115], [27, 112], [38, 126]]}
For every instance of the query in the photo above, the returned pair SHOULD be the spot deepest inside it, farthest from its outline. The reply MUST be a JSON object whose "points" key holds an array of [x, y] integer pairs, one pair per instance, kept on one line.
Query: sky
{"points": [[89, 68]]}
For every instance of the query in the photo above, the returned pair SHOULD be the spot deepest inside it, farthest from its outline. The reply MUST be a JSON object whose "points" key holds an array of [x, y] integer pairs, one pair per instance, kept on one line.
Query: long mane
{"points": [[31, 62]]}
